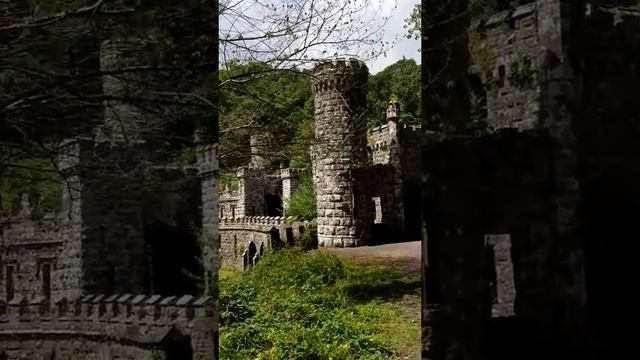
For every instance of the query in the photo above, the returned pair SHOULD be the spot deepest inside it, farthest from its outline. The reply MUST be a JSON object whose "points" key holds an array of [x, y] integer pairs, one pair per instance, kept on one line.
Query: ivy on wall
{"points": [[522, 75], [481, 55]]}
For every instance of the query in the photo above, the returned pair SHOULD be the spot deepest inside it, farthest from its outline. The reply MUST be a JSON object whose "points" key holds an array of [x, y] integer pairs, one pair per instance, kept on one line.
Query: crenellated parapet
{"points": [[339, 75], [264, 223], [16, 231], [245, 239], [288, 173], [101, 326], [133, 317], [207, 158]]}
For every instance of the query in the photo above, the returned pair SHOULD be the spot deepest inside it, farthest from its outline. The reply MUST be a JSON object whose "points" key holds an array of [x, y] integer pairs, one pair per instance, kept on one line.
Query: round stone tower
{"points": [[340, 88], [127, 119]]}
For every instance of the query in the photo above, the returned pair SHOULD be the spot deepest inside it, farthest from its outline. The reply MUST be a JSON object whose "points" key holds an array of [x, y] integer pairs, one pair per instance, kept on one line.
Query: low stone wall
{"points": [[238, 235], [115, 327]]}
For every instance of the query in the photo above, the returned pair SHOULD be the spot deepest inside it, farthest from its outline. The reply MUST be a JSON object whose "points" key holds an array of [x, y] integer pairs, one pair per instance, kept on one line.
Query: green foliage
{"points": [[279, 104], [481, 55], [256, 98], [35, 177], [400, 80], [308, 240], [186, 156], [296, 305], [412, 24], [302, 203], [521, 74], [298, 150], [228, 178]]}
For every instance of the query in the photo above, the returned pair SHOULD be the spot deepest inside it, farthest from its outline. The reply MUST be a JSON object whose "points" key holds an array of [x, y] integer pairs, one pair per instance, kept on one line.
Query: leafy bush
{"points": [[302, 204], [296, 305], [308, 240]]}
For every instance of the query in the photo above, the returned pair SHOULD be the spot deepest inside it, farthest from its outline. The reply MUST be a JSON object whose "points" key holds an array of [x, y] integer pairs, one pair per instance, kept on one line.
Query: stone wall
{"points": [[119, 216], [339, 89], [606, 130], [290, 182], [251, 192], [29, 244], [123, 117], [395, 178], [114, 327], [380, 181], [500, 206], [557, 259], [515, 59], [379, 142], [229, 204], [265, 233], [118, 192]]}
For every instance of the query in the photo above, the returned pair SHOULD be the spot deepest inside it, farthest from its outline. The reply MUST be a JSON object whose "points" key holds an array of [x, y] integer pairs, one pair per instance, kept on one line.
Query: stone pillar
{"points": [[558, 30], [208, 167], [290, 182], [125, 115], [395, 160], [67, 274], [339, 89], [251, 182], [258, 148]]}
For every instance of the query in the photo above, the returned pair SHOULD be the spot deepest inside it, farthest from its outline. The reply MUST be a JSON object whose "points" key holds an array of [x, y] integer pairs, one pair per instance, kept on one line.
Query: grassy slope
{"points": [[316, 305]]}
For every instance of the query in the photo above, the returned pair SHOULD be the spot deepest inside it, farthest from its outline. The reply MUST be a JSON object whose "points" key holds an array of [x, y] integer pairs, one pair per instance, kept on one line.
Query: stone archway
{"points": [[249, 254], [177, 346], [274, 237], [172, 251]]}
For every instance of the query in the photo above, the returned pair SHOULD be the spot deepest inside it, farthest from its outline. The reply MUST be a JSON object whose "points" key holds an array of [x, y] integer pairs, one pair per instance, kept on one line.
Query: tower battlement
{"points": [[118, 309], [339, 75]]}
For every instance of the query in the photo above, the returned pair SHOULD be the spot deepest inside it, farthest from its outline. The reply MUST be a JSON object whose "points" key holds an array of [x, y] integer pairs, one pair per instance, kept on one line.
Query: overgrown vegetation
{"points": [[296, 305], [278, 105], [228, 179], [36, 178], [521, 74], [308, 240], [302, 204], [400, 80]]}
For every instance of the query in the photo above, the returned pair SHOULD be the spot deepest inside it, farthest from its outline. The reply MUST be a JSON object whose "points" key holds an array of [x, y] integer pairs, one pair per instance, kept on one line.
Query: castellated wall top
{"points": [[291, 172], [339, 74], [137, 318], [259, 223]]}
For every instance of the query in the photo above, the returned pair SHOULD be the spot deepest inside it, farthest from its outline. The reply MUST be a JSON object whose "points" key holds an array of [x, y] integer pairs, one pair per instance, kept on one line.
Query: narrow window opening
{"points": [[377, 205], [502, 73], [45, 273], [503, 287], [354, 204], [10, 286]]}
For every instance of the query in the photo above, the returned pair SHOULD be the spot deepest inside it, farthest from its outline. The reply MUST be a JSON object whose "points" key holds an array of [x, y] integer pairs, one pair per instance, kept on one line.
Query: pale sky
{"points": [[246, 16], [405, 47]]}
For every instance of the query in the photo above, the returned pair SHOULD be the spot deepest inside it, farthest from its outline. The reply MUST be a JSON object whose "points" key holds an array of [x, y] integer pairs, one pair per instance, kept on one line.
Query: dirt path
{"points": [[405, 257]]}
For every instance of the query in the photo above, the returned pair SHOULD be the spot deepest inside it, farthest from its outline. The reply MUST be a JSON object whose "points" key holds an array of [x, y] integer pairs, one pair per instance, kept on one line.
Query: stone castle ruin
{"points": [[531, 227], [366, 181], [107, 277]]}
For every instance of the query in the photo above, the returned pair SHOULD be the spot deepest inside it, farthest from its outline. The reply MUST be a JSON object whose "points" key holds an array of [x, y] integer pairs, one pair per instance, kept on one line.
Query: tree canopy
{"points": [[278, 106]]}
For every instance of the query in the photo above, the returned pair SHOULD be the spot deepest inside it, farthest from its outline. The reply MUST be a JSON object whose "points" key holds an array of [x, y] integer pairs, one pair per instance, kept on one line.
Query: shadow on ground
{"points": [[381, 282]]}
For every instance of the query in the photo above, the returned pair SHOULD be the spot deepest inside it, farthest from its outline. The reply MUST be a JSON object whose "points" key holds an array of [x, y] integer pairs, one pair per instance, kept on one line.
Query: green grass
{"points": [[297, 305]]}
